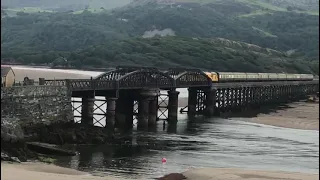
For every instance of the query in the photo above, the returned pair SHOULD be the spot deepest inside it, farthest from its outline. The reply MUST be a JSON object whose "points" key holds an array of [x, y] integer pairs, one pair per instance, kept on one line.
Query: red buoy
{"points": [[163, 160]]}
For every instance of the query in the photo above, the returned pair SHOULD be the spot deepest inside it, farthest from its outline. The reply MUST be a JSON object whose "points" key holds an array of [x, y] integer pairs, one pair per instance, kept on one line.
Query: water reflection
{"points": [[200, 142]]}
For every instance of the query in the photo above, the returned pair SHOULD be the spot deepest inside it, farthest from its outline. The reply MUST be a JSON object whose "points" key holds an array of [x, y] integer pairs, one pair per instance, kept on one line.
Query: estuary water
{"points": [[201, 142]]}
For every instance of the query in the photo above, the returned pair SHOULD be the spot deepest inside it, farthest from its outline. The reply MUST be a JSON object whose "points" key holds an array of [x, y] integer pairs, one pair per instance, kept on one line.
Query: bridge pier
{"points": [[230, 99], [210, 102], [87, 108], [124, 110], [257, 97], [147, 101], [224, 99], [236, 98], [246, 97], [143, 111], [227, 99], [129, 106], [218, 102], [192, 101], [111, 113], [121, 111], [267, 95], [274, 94], [250, 96], [153, 111], [173, 106]]}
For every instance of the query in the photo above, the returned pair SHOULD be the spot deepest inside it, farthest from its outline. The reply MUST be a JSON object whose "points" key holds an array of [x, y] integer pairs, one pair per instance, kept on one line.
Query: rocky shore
{"points": [[47, 139]]}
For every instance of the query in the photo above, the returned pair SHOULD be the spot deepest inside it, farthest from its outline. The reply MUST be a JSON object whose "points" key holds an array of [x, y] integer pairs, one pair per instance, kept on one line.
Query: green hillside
{"points": [[209, 54], [69, 4], [45, 37], [308, 6]]}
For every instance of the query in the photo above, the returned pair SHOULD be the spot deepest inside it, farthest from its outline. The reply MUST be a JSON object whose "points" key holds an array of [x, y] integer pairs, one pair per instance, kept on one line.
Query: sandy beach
{"points": [[299, 115], [36, 73], [239, 174], [39, 171]]}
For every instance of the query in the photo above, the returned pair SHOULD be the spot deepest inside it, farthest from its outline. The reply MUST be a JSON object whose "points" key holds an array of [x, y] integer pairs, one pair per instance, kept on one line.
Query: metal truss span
{"points": [[189, 77]]}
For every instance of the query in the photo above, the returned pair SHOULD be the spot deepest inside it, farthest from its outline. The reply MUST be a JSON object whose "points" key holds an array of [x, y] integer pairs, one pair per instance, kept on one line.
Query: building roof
{"points": [[5, 70]]}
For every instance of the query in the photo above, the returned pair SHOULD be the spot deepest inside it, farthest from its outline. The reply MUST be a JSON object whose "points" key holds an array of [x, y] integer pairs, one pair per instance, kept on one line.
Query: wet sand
{"points": [[239, 174], [39, 171], [299, 115]]}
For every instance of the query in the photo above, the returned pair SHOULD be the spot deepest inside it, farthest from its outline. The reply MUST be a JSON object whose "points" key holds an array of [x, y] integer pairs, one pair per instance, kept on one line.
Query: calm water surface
{"points": [[201, 142]]}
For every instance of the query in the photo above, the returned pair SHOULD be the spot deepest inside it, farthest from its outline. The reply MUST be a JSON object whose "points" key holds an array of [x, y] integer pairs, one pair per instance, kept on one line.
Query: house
{"points": [[7, 77]]}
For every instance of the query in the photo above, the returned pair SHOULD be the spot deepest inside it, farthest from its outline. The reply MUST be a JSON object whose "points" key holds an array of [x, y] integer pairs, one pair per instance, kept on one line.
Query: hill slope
{"points": [[56, 4], [208, 54], [233, 20], [44, 37]]}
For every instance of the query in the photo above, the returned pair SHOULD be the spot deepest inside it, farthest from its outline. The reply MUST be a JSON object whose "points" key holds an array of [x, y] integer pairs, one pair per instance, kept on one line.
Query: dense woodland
{"points": [[109, 38]]}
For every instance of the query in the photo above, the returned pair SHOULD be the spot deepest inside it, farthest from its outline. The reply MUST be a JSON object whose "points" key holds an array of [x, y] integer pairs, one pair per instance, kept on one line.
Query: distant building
{"points": [[7, 77]]}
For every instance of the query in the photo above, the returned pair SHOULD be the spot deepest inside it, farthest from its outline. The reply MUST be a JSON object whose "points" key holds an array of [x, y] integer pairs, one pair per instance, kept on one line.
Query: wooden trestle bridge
{"points": [[127, 87]]}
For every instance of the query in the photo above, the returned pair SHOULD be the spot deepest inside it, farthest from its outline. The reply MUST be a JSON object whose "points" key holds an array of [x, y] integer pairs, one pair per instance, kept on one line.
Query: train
{"points": [[256, 77]]}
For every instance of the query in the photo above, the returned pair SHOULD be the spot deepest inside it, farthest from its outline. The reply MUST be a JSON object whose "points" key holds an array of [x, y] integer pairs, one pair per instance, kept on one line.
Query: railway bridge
{"points": [[135, 92]]}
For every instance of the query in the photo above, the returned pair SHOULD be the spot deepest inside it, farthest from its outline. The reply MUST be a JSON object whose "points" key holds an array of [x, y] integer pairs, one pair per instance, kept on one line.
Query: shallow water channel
{"points": [[201, 142]]}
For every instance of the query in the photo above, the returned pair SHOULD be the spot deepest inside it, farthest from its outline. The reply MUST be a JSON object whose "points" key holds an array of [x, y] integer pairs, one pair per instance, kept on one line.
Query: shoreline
{"points": [[61, 68], [39, 171], [298, 115], [295, 115], [240, 174], [37, 72]]}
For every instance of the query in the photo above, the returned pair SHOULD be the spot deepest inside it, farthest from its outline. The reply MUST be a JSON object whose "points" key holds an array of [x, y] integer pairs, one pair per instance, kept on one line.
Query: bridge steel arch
{"points": [[115, 73], [189, 77], [129, 77], [145, 78]]}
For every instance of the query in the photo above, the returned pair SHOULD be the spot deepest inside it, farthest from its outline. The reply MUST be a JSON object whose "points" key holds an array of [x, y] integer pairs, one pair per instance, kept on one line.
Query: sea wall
{"points": [[25, 107]]}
